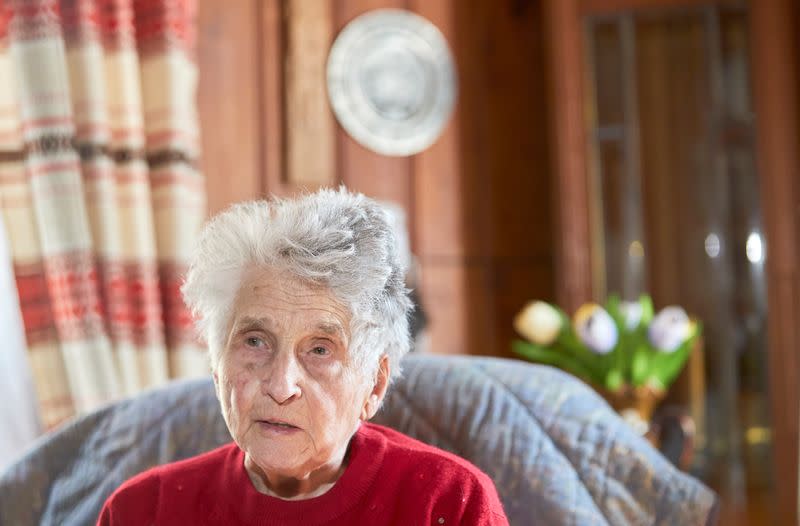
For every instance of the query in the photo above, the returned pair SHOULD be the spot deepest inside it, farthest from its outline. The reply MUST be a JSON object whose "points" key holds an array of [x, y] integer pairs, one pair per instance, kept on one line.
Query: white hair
{"points": [[337, 239]]}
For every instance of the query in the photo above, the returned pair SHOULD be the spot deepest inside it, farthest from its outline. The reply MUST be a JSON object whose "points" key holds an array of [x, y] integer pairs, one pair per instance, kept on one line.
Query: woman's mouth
{"points": [[277, 427]]}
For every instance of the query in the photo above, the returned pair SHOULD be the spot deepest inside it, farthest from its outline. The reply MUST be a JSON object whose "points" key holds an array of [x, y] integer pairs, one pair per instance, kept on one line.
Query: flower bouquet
{"points": [[629, 353]]}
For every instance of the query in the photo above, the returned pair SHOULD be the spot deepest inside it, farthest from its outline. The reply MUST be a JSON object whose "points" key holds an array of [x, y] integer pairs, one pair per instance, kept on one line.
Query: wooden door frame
{"points": [[775, 93], [597, 7]]}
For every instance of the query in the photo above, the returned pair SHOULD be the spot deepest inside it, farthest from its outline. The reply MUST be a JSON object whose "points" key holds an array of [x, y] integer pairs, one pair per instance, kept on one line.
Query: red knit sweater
{"points": [[390, 479]]}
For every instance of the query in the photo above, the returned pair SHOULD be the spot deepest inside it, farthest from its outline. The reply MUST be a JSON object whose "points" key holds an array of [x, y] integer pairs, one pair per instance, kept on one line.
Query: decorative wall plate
{"points": [[391, 81]]}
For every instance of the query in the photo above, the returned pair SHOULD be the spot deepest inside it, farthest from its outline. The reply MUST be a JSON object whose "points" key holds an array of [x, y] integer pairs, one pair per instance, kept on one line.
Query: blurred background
{"points": [[595, 147]]}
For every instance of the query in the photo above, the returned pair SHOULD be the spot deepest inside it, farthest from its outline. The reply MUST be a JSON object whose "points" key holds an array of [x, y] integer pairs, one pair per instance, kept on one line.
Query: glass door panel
{"points": [[675, 191]]}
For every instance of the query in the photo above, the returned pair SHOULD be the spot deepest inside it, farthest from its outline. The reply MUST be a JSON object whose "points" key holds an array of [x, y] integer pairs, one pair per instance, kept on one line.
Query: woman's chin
{"points": [[278, 459]]}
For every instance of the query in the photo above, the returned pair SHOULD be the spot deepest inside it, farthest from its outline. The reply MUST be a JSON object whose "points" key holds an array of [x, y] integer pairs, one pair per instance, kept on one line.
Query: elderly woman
{"points": [[305, 313]]}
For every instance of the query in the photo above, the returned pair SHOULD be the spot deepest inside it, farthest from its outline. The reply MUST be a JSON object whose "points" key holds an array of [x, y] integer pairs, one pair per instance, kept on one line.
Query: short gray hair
{"points": [[337, 239]]}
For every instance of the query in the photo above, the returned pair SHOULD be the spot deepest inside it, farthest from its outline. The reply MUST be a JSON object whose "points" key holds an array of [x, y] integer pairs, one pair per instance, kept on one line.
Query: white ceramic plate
{"points": [[391, 81]]}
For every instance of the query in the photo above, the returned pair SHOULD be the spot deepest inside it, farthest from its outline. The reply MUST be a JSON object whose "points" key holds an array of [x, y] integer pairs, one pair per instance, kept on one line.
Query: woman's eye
{"points": [[253, 341], [320, 351]]}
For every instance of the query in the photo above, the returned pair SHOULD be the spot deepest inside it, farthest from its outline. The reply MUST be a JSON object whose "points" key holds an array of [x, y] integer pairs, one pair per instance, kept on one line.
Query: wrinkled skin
{"points": [[289, 389]]}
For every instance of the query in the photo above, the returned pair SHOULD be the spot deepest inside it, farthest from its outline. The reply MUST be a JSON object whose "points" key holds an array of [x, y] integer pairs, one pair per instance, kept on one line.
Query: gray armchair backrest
{"points": [[555, 450]]}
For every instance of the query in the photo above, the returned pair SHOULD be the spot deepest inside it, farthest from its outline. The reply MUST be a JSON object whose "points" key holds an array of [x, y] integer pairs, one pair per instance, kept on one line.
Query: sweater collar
{"points": [[366, 452]]}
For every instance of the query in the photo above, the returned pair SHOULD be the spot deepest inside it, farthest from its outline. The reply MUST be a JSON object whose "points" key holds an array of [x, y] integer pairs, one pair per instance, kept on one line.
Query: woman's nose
{"points": [[282, 381]]}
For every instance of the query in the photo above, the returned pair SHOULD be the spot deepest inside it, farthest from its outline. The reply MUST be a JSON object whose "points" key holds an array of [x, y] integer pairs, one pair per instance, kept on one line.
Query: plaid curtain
{"points": [[100, 192]]}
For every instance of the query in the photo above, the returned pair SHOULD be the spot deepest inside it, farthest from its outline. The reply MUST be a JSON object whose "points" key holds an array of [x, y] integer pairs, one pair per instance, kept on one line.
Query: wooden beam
{"points": [[599, 7], [271, 106], [309, 127], [564, 37], [775, 90], [451, 287]]}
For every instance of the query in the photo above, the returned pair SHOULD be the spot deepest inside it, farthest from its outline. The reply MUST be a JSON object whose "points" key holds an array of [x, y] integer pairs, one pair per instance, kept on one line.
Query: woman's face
{"points": [[290, 392]]}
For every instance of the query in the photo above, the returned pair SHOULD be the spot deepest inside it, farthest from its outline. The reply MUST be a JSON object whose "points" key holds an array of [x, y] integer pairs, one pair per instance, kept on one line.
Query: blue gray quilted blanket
{"points": [[557, 452]]}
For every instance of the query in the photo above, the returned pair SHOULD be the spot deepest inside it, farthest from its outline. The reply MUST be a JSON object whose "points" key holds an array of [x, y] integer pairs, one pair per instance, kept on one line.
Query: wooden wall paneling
{"points": [[518, 189], [468, 30], [784, 343], [445, 281], [514, 283], [493, 183], [516, 138], [227, 101], [298, 134], [565, 96], [470, 39], [437, 199], [376, 175], [775, 89], [460, 315], [441, 172], [455, 283], [309, 125], [271, 100]]}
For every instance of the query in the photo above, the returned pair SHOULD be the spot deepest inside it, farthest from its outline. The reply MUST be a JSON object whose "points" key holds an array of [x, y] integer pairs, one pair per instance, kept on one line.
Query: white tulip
{"points": [[670, 328], [538, 322], [632, 312], [595, 328]]}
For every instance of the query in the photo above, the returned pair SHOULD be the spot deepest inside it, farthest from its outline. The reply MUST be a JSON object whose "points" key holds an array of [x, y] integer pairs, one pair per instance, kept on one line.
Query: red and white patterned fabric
{"points": [[100, 192]]}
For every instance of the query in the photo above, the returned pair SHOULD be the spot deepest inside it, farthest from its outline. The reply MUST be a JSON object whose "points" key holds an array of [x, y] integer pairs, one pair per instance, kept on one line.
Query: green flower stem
{"points": [[647, 310], [640, 364], [590, 360], [616, 377]]}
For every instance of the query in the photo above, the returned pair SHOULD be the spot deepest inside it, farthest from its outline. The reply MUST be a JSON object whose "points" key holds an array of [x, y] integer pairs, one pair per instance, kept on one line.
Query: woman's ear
{"points": [[378, 391]]}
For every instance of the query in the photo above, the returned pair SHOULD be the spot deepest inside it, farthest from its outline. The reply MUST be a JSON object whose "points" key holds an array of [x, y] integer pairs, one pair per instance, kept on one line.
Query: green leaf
{"points": [[569, 342], [554, 357], [669, 365]]}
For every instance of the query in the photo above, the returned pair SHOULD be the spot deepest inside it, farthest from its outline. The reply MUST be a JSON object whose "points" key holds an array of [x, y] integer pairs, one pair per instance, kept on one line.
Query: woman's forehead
{"points": [[281, 282], [271, 300]]}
